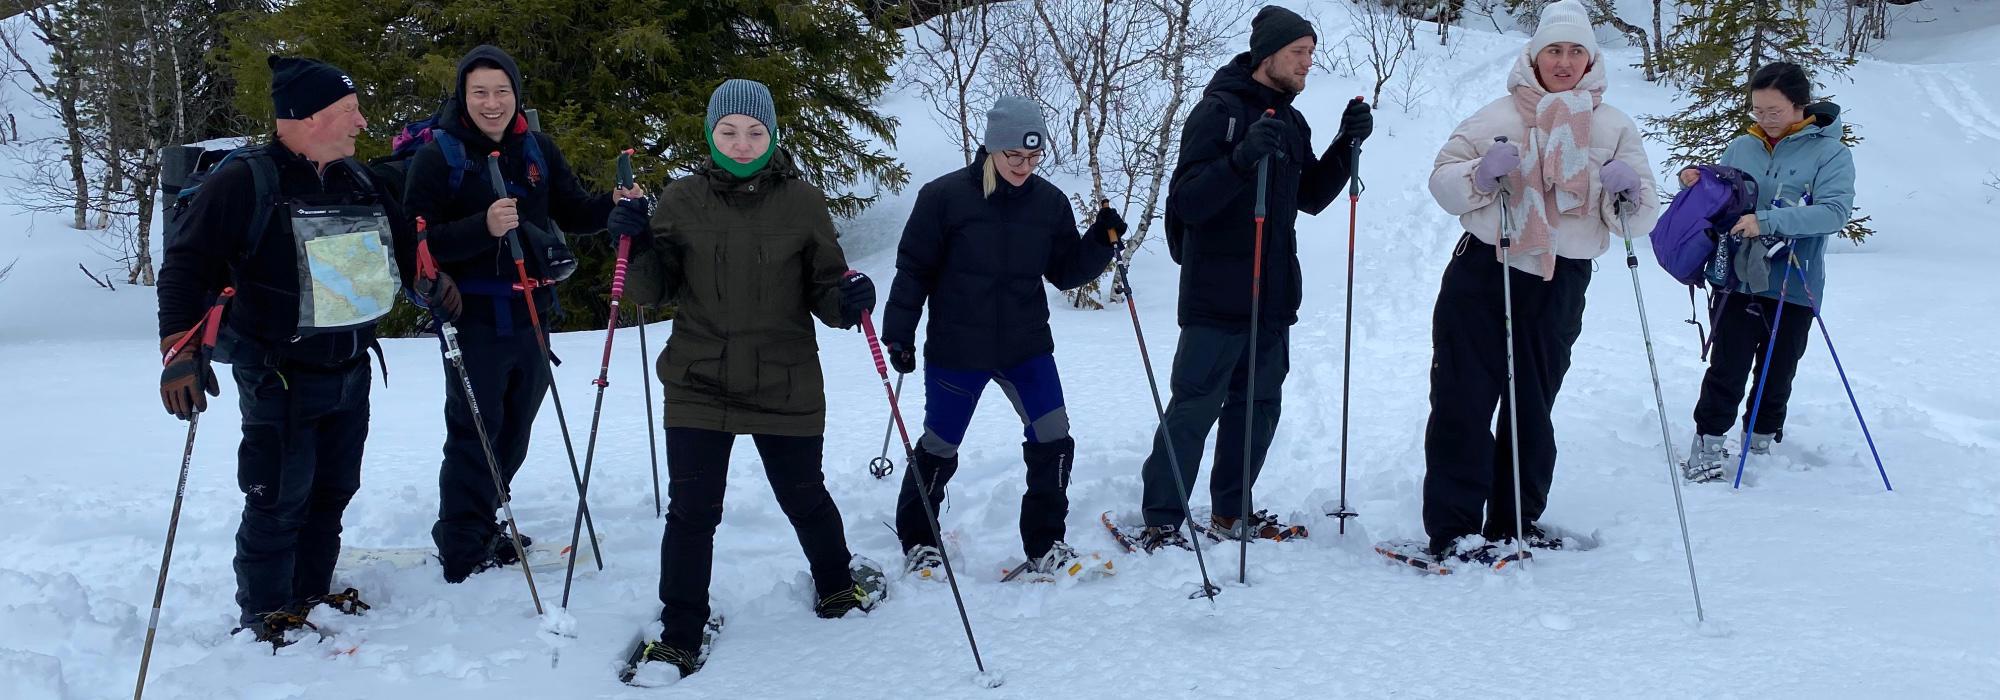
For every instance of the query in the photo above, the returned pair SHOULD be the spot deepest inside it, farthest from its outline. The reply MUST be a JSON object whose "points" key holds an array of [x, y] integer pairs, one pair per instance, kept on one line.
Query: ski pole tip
{"points": [[989, 679]]}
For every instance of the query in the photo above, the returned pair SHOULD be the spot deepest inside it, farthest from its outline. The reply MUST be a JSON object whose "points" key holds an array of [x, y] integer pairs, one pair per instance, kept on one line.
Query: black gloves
{"points": [[632, 218], [1108, 227], [857, 298], [1268, 136], [1357, 122], [903, 358]]}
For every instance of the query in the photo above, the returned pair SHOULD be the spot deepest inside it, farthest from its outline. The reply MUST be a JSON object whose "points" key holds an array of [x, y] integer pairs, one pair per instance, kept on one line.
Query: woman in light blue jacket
{"points": [[1805, 186]]}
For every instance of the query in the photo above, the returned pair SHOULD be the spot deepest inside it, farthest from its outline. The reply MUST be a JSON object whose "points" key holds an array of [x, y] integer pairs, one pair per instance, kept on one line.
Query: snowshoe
{"points": [[1262, 525], [1467, 552], [1709, 460], [925, 563], [1152, 539], [273, 628], [640, 666], [348, 602], [1553, 538], [1143, 539], [1060, 562]]}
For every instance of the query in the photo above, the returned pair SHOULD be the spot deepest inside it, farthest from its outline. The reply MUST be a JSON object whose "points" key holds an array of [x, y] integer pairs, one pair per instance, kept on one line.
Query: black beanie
{"points": [[1273, 28], [301, 87]]}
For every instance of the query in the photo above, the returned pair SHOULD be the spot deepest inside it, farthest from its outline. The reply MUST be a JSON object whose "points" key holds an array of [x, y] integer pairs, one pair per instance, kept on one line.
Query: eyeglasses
{"points": [[1769, 111], [1016, 160]]}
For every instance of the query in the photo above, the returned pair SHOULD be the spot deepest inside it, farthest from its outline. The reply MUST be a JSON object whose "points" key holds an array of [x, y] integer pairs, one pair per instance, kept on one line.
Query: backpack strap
{"points": [[454, 156], [264, 182]]}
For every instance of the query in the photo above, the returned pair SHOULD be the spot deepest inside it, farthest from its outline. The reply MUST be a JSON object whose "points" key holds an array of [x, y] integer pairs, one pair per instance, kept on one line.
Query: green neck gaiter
{"points": [[741, 170]]}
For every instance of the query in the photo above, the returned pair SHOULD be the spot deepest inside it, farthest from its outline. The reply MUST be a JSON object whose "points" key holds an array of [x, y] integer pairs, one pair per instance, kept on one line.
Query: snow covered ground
{"points": [[1817, 582]]}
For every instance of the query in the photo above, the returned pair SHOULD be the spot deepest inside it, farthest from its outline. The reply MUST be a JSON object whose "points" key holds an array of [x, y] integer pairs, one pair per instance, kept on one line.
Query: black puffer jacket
{"points": [[981, 262], [1211, 203]]}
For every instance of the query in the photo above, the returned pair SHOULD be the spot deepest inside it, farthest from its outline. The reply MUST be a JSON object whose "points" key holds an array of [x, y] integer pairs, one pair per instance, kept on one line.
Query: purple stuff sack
{"points": [[1684, 240]]}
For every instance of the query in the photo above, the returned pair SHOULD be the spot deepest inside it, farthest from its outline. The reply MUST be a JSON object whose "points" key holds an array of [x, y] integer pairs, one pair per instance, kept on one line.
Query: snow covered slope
{"points": [[1817, 582]]}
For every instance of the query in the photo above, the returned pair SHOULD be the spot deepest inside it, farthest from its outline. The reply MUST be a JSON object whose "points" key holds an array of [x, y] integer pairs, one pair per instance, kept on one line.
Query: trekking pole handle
{"points": [[625, 169], [500, 191]]}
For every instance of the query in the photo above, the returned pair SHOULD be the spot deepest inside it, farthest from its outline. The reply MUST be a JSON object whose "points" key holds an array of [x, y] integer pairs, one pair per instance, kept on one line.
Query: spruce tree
{"points": [[1712, 51], [606, 76]]}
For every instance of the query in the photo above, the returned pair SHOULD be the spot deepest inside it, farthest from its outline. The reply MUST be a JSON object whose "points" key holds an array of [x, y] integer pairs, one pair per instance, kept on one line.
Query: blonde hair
{"points": [[990, 175]]}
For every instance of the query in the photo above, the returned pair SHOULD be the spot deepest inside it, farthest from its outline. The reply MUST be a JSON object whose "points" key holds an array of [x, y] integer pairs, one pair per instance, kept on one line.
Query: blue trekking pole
{"points": [[1770, 350], [1794, 260]]}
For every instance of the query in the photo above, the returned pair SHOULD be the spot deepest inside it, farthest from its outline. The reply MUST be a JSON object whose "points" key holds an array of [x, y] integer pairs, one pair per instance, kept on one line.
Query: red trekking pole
{"points": [[1354, 188], [209, 327], [527, 287], [603, 381], [1250, 381], [924, 494]]}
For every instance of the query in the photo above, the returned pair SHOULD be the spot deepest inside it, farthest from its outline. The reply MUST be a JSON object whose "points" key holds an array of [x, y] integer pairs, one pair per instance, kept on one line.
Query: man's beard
{"points": [[1291, 83]]}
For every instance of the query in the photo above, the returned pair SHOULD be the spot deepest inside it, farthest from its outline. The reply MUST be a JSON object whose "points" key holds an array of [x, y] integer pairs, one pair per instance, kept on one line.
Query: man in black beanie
{"points": [[1211, 231], [317, 253]]}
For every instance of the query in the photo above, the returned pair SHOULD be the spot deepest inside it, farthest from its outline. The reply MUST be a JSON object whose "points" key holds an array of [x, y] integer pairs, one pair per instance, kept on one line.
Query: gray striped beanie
{"points": [[746, 97]]}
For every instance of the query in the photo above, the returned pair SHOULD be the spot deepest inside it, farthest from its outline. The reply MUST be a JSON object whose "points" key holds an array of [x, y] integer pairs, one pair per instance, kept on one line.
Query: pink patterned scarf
{"points": [[1556, 167]]}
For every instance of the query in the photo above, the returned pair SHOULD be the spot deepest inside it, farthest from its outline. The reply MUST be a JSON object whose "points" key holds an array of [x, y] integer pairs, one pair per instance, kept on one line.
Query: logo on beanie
{"points": [[349, 81], [1032, 140]]}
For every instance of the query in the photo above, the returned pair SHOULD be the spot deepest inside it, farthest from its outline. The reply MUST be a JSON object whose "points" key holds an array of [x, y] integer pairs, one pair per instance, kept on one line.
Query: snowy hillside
{"points": [[1817, 582]]}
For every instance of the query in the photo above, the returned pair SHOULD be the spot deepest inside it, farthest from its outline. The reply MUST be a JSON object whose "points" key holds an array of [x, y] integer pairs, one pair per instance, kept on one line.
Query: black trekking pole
{"points": [[603, 382], [204, 333], [984, 678], [1121, 267], [881, 467], [1660, 403], [527, 288], [1354, 188], [1250, 381], [1507, 323], [427, 274], [652, 428]]}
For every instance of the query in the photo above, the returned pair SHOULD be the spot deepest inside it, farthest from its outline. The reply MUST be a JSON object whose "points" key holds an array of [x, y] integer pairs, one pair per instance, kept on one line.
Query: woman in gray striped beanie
{"points": [[746, 250]]}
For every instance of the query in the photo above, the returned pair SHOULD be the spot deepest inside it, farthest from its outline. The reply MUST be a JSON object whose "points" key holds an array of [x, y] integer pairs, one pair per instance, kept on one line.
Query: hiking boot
{"points": [[1153, 538], [503, 549], [925, 562], [1709, 460], [347, 602], [271, 628], [655, 651], [836, 605], [1760, 443]]}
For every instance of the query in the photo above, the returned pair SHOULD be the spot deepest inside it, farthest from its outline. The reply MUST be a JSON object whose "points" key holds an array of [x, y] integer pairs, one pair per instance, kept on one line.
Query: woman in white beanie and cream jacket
{"points": [[1567, 162]]}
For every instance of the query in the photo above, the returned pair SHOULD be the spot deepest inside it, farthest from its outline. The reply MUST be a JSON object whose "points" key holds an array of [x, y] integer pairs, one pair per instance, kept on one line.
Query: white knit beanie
{"points": [[1564, 20]]}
